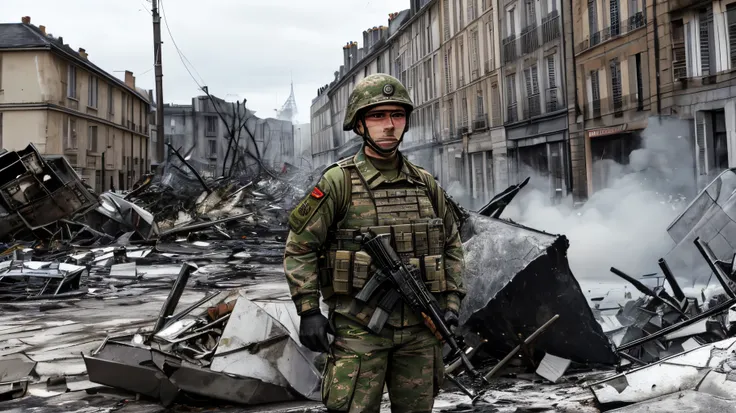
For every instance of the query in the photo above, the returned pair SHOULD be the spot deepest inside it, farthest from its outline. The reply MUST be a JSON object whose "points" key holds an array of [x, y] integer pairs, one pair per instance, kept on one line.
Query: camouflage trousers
{"points": [[407, 360]]}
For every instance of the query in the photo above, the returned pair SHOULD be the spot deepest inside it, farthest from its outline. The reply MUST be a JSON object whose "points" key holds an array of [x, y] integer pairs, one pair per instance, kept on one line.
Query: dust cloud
{"points": [[623, 225]]}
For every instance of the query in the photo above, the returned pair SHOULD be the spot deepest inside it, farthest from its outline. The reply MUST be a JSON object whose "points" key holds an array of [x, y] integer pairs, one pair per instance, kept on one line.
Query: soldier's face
{"points": [[386, 124]]}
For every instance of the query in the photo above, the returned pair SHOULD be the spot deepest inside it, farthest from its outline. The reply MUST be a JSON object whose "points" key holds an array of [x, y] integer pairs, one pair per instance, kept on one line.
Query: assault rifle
{"points": [[407, 285]]}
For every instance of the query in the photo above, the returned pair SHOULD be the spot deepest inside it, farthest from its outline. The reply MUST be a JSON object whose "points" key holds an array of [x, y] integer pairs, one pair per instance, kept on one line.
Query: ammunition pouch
{"points": [[345, 269]]}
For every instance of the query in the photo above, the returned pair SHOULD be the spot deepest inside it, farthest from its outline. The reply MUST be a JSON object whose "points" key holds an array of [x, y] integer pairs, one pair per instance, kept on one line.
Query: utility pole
{"points": [[157, 56]]}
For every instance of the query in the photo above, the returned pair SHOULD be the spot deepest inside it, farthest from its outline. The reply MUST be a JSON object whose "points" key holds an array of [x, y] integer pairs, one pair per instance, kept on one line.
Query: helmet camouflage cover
{"points": [[376, 89]]}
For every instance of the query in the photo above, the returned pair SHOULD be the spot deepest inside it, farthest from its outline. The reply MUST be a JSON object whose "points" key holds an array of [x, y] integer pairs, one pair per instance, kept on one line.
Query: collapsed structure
{"points": [[198, 242]]}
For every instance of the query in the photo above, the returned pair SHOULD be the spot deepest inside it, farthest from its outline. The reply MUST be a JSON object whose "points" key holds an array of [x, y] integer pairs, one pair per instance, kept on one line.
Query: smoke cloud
{"points": [[623, 225]]}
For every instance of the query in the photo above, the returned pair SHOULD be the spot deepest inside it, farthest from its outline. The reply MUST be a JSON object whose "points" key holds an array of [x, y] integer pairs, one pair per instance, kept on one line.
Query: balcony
{"points": [[532, 107], [480, 122], [614, 106], [551, 27], [512, 114], [529, 39], [619, 28], [509, 49]]}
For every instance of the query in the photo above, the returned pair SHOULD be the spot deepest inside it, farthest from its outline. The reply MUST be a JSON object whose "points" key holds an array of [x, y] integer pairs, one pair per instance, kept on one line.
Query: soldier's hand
{"points": [[452, 320], [313, 330]]}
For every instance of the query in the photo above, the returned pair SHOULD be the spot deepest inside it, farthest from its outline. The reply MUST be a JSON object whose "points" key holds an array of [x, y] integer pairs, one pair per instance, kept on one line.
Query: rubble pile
{"points": [[175, 291]]}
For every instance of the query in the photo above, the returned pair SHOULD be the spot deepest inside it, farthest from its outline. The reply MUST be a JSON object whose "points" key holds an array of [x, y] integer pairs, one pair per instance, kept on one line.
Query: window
{"points": [[679, 55], [211, 147], [731, 21], [496, 105], [446, 13], [92, 98], [92, 138], [616, 88], [71, 82], [593, 22], [531, 77], [210, 126], [595, 93], [511, 113], [70, 133], [531, 12], [1, 76], [464, 125], [1, 129], [461, 58], [480, 107], [613, 9], [110, 100], [474, 53], [489, 61], [639, 85], [379, 64], [451, 116], [551, 84], [707, 58], [510, 22], [448, 77], [124, 109]]}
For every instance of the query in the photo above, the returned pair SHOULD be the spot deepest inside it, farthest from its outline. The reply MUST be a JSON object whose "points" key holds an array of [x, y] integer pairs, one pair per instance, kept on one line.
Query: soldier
{"points": [[379, 189]]}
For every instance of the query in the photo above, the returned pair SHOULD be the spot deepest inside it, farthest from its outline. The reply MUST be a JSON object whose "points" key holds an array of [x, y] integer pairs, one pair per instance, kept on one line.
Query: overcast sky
{"points": [[240, 48]]}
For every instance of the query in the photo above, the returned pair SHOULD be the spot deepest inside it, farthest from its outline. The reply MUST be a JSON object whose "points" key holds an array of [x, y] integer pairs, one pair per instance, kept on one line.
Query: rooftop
{"points": [[24, 36]]}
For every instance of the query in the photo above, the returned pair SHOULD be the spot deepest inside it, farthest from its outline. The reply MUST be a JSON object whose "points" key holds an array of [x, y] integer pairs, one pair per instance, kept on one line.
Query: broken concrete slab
{"points": [[684, 401], [669, 375], [250, 355], [517, 278]]}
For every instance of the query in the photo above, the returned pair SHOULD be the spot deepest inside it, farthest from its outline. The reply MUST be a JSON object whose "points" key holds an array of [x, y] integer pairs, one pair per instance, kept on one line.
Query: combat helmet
{"points": [[373, 90]]}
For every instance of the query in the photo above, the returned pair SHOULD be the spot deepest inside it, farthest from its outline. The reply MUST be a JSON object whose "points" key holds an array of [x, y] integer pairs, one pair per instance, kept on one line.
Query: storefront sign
{"points": [[606, 131]]}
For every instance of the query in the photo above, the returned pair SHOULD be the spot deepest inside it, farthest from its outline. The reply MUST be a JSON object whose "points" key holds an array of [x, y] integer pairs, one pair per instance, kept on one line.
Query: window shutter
{"points": [[731, 22], [700, 142], [706, 19], [552, 81]]}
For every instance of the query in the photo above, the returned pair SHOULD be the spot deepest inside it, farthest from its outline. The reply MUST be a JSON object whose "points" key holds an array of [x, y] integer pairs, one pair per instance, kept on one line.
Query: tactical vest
{"points": [[401, 209]]}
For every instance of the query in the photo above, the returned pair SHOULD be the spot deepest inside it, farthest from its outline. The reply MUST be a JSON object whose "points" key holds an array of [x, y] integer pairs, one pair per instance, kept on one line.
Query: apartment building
{"points": [[444, 53], [612, 64], [198, 131], [533, 85], [473, 140], [322, 141], [58, 99], [698, 75]]}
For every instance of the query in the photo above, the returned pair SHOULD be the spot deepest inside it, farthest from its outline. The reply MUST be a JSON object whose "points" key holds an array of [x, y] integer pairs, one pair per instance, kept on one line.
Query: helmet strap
{"points": [[373, 145]]}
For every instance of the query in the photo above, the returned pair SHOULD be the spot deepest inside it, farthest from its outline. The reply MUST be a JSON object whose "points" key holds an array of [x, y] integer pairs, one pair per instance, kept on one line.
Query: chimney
{"points": [[129, 79], [26, 19], [83, 53], [43, 29]]}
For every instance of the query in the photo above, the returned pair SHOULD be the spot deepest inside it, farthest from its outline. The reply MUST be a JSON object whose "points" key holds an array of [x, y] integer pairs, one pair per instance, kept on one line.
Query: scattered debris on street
{"points": [[172, 294]]}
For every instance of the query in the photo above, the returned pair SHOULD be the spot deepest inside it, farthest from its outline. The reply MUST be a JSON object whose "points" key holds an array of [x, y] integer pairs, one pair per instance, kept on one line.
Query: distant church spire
{"points": [[288, 110]]}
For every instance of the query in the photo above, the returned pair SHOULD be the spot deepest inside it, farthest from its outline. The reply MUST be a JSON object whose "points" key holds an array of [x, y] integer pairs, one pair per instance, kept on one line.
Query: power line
{"points": [[182, 57]]}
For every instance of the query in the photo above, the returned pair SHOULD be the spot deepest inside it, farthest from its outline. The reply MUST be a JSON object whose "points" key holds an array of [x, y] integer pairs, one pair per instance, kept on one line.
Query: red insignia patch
{"points": [[316, 193]]}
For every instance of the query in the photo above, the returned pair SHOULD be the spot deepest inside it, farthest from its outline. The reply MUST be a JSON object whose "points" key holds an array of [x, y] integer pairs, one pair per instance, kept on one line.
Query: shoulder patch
{"points": [[305, 210]]}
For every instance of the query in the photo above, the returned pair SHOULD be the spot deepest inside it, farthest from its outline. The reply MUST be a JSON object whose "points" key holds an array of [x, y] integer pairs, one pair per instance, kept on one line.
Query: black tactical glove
{"points": [[313, 330], [451, 319]]}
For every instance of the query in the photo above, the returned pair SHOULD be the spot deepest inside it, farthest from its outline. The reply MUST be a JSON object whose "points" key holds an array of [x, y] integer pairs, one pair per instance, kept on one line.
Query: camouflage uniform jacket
{"points": [[322, 210]]}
